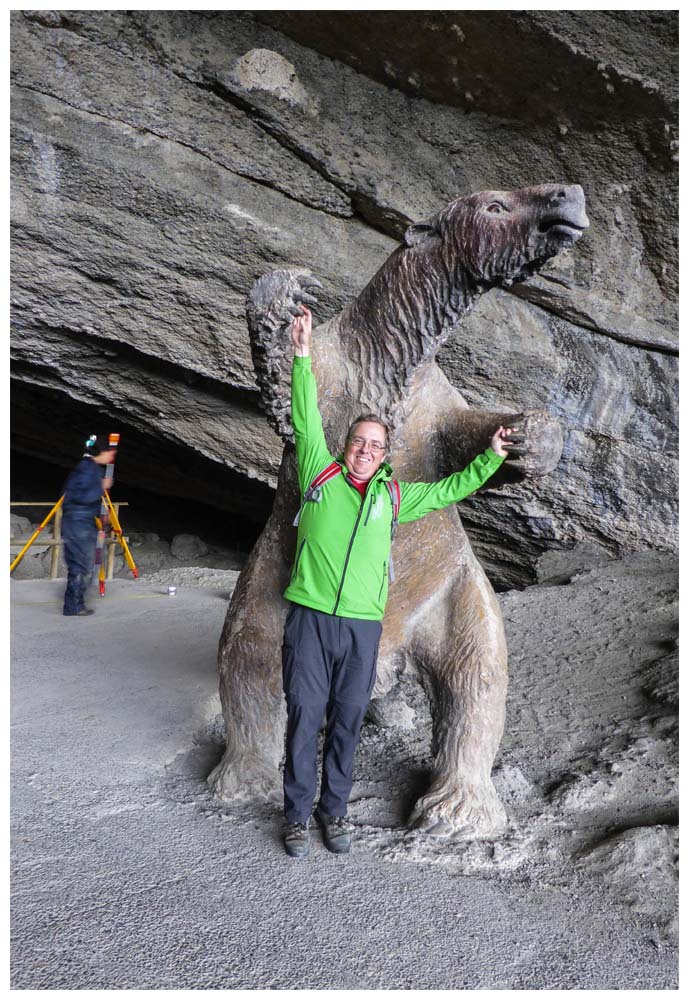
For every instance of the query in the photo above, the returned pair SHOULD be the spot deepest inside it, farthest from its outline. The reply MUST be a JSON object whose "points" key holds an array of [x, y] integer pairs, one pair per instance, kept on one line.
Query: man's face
{"points": [[365, 450], [106, 457]]}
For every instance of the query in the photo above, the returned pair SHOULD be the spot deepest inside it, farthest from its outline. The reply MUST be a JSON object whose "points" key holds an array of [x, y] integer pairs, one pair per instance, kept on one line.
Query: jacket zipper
{"points": [[349, 550], [296, 565]]}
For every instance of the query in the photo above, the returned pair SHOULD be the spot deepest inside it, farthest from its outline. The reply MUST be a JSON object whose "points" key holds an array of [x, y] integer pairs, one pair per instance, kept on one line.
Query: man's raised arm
{"points": [[312, 451]]}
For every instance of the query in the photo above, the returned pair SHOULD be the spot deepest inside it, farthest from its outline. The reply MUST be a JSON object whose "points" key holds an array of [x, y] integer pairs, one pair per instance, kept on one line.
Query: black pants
{"points": [[79, 540], [328, 666]]}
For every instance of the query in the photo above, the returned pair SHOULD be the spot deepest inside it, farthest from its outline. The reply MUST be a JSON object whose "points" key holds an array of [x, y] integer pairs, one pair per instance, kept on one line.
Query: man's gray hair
{"points": [[368, 418]]}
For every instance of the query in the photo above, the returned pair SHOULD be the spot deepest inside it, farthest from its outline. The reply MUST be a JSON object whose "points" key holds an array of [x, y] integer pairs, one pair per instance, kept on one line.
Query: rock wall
{"points": [[163, 160]]}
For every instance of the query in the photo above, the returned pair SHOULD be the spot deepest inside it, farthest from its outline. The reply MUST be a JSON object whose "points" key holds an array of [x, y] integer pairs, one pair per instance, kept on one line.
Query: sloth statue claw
{"points": [[442, 623], [536, 448], [276, 298]]}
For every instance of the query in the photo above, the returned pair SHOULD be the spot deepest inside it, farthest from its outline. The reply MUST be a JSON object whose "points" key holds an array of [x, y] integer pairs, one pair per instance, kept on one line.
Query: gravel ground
{"points": [[127, 873]]}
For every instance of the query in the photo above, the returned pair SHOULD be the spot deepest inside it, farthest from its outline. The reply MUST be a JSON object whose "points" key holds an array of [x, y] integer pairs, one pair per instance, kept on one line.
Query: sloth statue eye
{"points": [[496, 208]]}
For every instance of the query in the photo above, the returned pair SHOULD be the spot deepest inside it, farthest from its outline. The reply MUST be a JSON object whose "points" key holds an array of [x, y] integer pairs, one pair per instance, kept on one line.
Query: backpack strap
{"points": [[313, 491], [396, 500], [393, 488]]}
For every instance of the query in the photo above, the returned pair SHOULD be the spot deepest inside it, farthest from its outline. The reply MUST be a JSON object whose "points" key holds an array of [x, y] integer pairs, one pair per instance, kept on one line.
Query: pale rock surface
{"points": [[261, 69], [20, 527], [188, 547]]}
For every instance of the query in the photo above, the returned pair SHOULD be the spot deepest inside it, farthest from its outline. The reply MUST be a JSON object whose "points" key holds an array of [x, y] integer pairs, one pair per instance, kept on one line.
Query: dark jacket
{"points": [[83, 490]]}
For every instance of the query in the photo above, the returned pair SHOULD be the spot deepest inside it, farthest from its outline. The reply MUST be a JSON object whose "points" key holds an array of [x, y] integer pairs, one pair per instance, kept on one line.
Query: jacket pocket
{"points": [[370, 508], [296, 561], [382, 581]]}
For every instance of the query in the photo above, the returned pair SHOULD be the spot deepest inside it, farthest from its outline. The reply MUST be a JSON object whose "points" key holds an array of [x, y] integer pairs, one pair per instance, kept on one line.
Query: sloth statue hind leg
{"points": [[465, 672], [249, 656], [251, 679]]}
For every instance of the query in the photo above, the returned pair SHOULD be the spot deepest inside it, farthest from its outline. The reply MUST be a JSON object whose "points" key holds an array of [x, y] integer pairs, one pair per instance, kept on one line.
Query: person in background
{"points": [[82, 492]]}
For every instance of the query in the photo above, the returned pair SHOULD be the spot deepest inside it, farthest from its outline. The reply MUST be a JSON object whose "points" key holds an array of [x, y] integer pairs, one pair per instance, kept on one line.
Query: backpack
{"points": [[314, 493]]}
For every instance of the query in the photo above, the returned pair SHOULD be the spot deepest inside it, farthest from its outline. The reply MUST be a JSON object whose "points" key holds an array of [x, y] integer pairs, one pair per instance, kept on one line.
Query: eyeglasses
{"points": [[359, 442]]}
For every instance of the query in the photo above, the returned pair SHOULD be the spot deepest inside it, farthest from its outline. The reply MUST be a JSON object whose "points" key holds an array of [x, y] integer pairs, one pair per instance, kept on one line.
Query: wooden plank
{"points": [[57, 545]]}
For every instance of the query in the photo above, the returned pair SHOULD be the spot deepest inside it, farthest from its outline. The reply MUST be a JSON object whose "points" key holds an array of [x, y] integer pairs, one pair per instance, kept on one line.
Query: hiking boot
{"points": [[297, 839], [337, 832], [82, 613]]}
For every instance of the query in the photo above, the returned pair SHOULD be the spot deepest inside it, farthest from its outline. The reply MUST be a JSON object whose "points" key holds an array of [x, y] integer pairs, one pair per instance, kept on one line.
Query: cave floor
{"points": [[127, 874]]}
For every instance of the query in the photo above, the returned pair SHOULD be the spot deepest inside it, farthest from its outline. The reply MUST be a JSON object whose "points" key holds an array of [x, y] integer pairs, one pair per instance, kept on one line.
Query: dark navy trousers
{"points": [[79, 541], [328, 668]]}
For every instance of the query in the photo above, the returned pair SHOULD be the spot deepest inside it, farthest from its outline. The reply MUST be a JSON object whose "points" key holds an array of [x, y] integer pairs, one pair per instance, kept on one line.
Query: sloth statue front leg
{"points": [[463, 659], [534, 450]]}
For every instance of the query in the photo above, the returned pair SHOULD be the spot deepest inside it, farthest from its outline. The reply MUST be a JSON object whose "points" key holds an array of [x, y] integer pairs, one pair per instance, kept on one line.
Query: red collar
{"points": [[358, 484]]}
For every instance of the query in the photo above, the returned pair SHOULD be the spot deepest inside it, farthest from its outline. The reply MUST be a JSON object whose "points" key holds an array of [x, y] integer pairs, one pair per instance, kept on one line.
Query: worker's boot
{"points": [[297, 839], [337, 832]]}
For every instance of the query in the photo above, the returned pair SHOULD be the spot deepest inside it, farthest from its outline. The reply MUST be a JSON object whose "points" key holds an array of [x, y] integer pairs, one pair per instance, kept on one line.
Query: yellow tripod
{"points": [[39, 529], [116, 530]]}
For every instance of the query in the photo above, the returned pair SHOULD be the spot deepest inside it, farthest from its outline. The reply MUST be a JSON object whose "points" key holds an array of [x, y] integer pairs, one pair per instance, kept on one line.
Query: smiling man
{"points": [[338, 589]]}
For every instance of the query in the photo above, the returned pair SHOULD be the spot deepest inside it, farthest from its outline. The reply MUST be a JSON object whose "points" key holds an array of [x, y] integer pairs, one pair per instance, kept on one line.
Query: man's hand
{"points": [[107, 482], [500, 442], [301, 333]]}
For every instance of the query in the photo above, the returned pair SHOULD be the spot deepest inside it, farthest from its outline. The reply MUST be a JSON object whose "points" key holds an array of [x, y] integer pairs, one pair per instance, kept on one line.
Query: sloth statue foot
{"points": [[246, 776], [452, 809]]}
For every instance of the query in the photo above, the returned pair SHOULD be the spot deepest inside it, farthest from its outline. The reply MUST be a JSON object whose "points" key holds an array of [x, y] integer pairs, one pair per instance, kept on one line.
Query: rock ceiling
{"points": [[163, 160]]}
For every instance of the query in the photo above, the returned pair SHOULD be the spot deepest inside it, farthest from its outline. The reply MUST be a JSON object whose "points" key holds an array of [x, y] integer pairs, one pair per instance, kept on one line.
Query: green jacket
{"points": [[343, 543]]}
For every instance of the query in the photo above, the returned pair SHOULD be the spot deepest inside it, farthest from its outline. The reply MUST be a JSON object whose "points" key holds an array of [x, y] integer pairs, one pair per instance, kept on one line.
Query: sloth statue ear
{"points": [[420, 232]]}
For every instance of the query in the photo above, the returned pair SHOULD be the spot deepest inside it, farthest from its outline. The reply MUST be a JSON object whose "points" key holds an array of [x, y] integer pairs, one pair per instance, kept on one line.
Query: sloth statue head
{"points": [[499, 237]]}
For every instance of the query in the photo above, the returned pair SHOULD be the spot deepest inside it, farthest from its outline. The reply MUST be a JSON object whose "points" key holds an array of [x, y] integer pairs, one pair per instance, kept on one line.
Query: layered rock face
{"points": [[161, 161]]}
